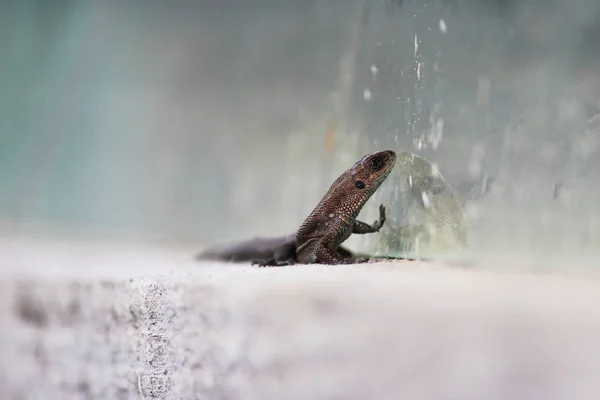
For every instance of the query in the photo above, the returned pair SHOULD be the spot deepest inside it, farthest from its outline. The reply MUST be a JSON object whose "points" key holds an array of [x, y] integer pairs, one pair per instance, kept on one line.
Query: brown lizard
{"points": [[331, 222]]}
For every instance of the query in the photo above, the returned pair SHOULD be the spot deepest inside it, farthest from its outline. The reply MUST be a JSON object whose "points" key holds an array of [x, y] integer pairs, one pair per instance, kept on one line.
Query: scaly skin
{"points": [[331, 222]]}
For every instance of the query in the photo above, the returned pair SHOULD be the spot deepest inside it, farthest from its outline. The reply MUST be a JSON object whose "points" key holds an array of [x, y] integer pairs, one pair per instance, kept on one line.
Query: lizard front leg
{"points": [[361, 228]]}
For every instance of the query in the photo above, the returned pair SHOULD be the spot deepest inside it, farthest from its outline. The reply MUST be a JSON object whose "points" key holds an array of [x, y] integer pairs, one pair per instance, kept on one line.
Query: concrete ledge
{"points": [[384, 331]]}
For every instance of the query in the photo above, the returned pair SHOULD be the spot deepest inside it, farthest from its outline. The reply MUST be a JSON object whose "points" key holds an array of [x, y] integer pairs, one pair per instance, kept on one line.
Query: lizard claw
{"points": [[270, 263]]}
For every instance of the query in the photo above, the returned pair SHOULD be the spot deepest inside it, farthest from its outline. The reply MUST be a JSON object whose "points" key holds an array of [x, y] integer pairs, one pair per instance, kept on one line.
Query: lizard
{"points": [[318, 239], [444, 226]]}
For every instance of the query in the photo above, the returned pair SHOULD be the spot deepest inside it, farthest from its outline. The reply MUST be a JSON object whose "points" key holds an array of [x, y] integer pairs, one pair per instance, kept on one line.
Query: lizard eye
{"points": [[359, 184], [376, 164]]}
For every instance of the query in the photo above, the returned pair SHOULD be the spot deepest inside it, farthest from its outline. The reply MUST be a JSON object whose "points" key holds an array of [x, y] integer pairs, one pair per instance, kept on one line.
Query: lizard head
{"points": [[421, 176], [369, 172], [351, 190]]}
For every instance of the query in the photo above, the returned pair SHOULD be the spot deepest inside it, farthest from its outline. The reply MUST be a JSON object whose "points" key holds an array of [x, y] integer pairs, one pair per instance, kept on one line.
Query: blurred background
{"points": [[199, 122]]}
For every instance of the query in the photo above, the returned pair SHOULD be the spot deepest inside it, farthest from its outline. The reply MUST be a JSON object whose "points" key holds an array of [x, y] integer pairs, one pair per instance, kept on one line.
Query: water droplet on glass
{"points": [[443, 27], [374, 71], [416, 45]]}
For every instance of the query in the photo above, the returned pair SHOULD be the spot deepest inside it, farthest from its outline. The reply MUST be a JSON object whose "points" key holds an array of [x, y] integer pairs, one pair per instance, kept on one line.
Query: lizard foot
{"points": [[271, 263]]}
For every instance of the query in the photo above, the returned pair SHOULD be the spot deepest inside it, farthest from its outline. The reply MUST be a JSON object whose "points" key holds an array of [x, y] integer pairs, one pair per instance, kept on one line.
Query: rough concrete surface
{"points": [[101, 322]]}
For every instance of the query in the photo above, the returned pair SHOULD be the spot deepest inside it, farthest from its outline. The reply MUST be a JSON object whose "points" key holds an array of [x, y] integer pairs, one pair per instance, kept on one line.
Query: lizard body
{"points": [[333, 220], [330, 223]]}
